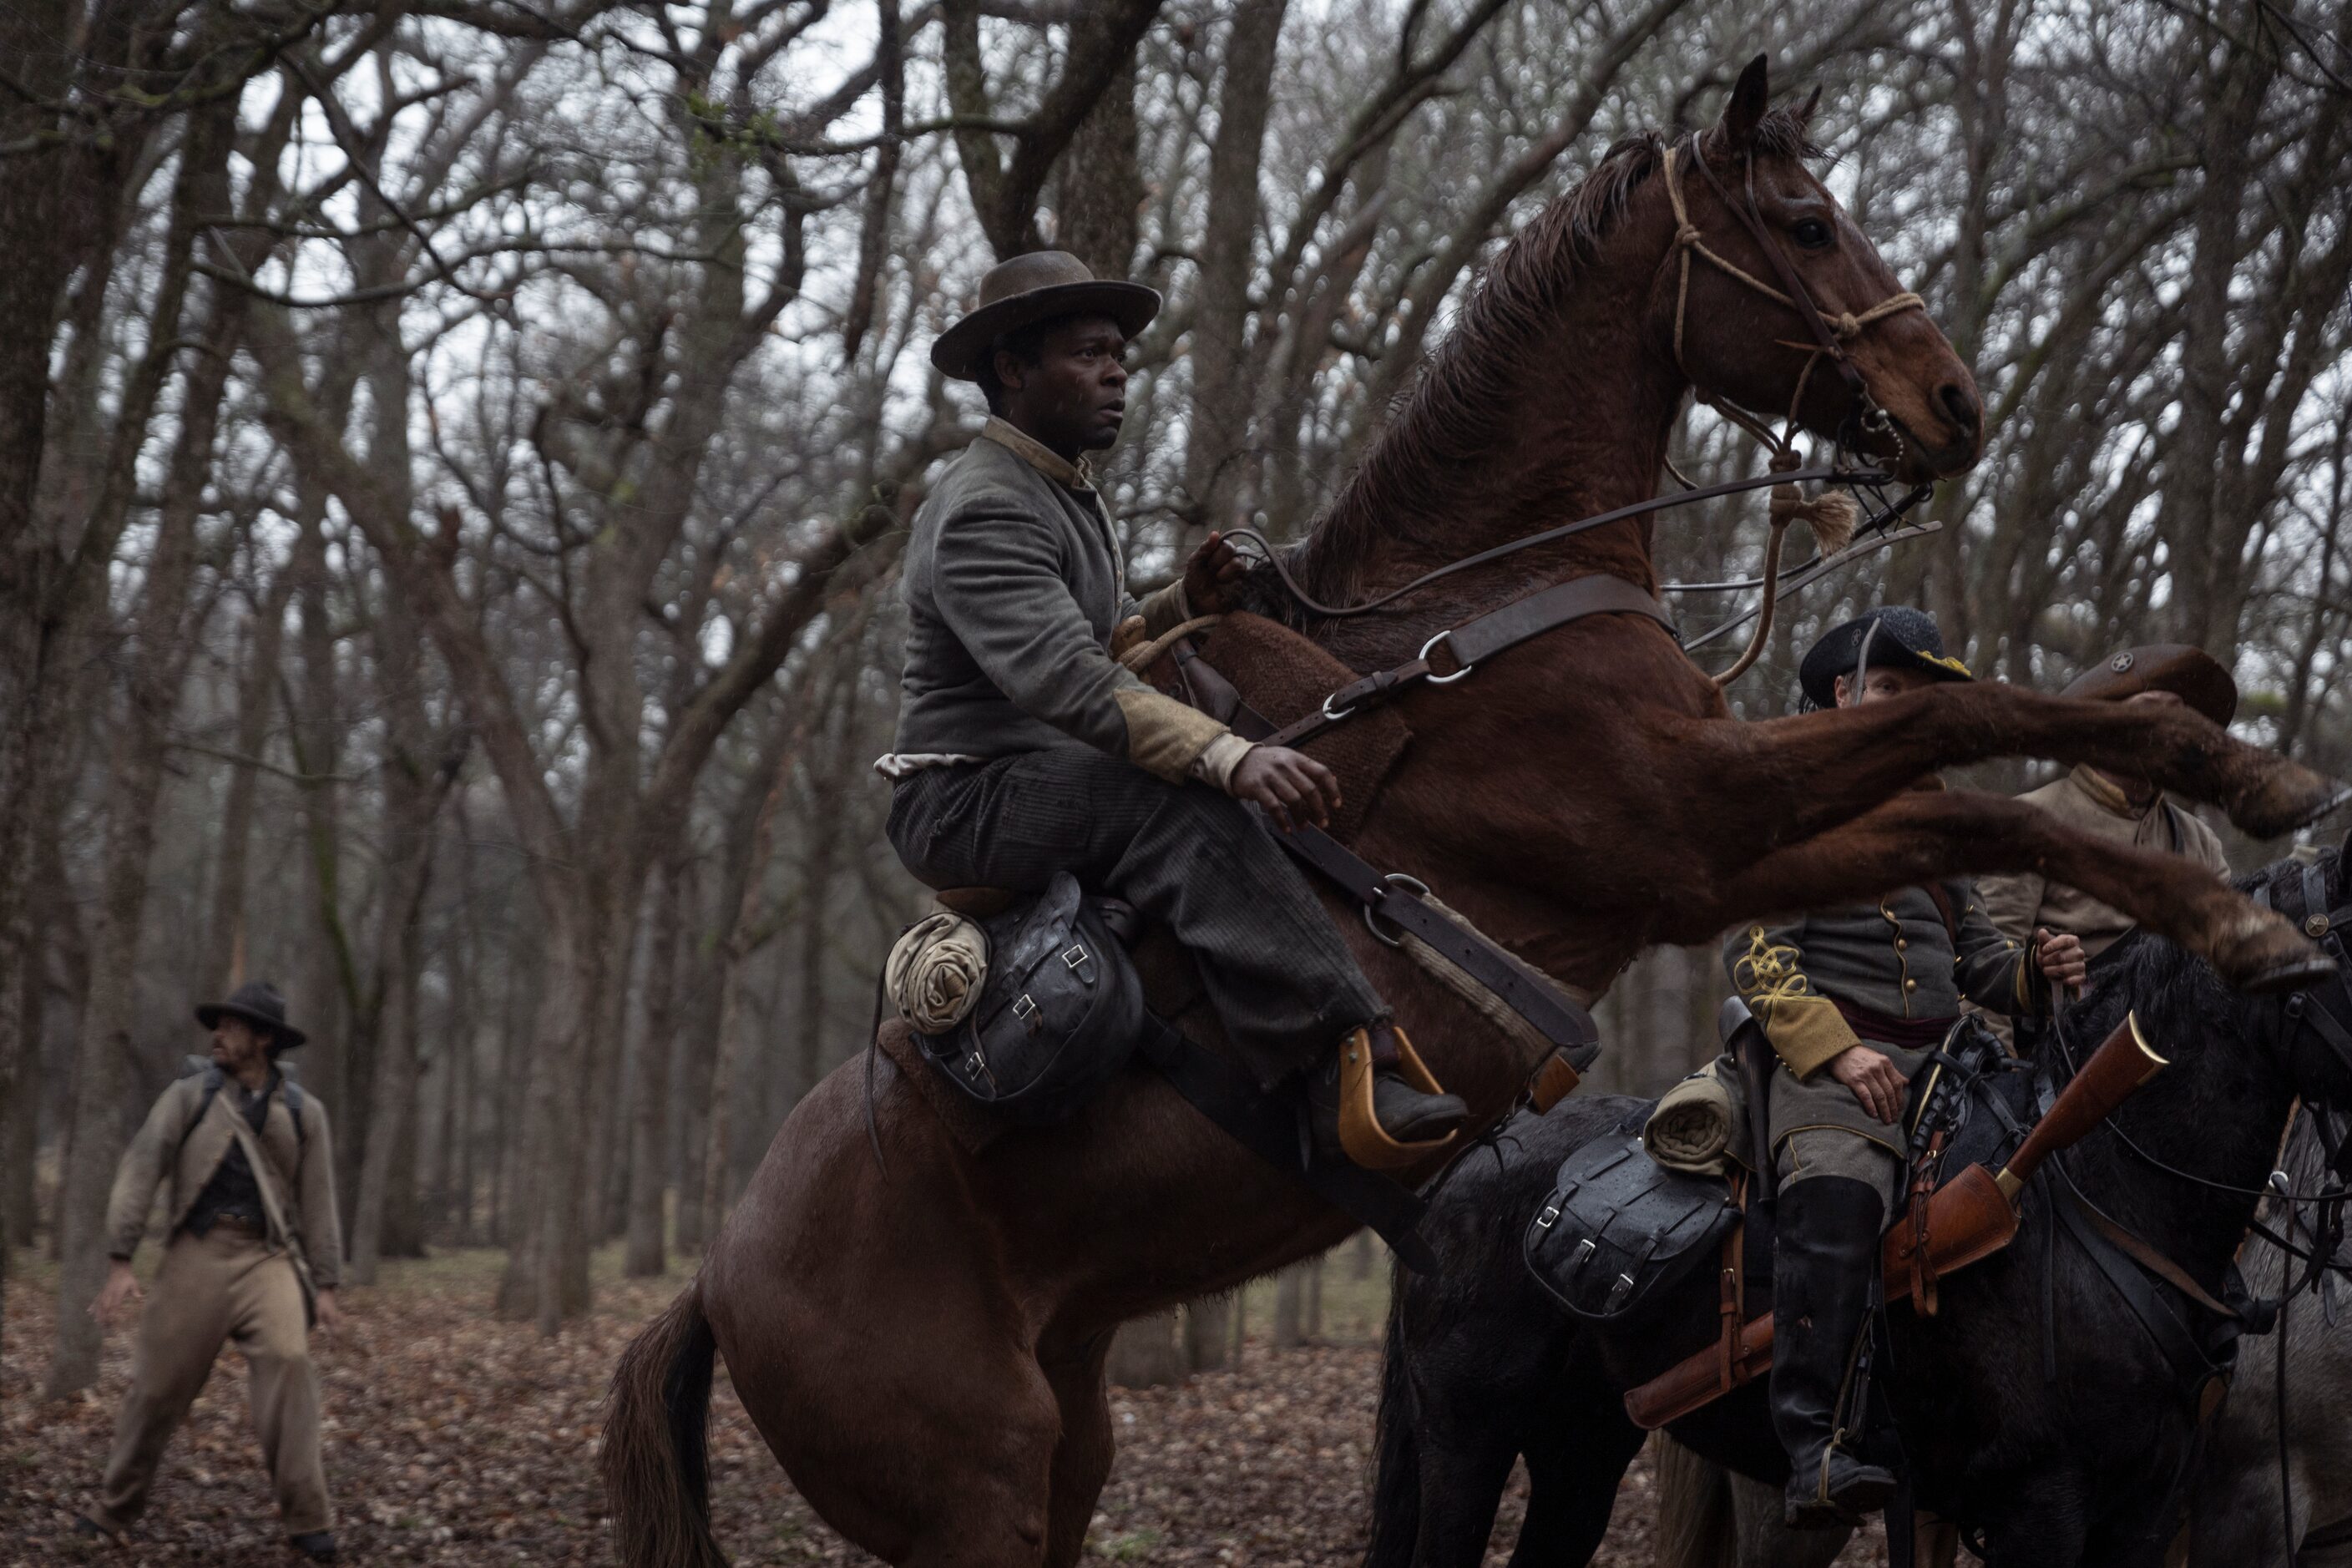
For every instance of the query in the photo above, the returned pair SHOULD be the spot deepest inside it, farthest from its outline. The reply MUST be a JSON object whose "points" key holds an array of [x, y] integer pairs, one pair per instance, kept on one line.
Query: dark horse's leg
{"points": [[1783, 778], [1924, 834], [1573, 1469]]}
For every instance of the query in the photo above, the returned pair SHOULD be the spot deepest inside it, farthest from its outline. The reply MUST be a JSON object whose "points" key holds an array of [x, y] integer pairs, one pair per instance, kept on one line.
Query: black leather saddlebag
{"points": [[1618, 1228], [1061, 1010]]}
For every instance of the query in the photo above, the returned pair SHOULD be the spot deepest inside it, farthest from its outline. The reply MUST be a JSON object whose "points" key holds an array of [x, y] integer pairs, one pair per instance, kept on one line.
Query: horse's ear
{"points": [[1750, 99], [1805, 109]]}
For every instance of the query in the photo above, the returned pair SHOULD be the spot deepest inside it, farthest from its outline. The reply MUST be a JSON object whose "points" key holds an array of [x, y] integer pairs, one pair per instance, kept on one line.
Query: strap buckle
{"points": [[1550, 1217], [1331, 716], [1075, 956], [1443, 679], [1399, 879]]}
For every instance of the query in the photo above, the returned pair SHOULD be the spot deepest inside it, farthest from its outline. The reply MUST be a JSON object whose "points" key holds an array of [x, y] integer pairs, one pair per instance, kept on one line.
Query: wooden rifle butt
{"points": [[2123, 1062]]}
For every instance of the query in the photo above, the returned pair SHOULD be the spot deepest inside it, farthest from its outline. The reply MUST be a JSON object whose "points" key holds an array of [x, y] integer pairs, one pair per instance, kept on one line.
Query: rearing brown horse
{"points": [[923, 1348]]}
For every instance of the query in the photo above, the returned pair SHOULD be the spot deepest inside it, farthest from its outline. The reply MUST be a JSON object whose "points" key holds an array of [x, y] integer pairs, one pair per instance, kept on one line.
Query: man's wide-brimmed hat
{"points": [[1905, 638], [259, 1004], [1035, 288], [2189, 672]]}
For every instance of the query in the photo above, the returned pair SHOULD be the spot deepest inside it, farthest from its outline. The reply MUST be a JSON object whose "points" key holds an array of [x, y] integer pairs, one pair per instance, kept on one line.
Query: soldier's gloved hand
{"points": [[1874, 1080], [1213, 566], [2062, 959], [330, 1316], [1292, 787]]}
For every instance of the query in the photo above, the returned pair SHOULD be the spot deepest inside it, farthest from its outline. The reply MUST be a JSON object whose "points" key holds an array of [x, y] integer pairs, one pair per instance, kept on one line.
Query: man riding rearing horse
{"points": [[1025, 748]]}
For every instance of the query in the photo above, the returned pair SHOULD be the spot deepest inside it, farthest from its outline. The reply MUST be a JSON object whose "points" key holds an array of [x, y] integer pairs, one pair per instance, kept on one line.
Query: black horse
{"points": [[2081, 1460]]}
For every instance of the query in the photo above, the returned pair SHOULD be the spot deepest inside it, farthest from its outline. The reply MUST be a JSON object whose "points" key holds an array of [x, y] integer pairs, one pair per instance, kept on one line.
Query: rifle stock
{"points": [[1969, 1218]]}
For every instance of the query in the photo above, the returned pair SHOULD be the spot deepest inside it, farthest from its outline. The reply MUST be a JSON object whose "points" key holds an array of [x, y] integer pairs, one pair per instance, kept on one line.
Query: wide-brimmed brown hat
{"points": [[259, 1004], [2189, 672], [1037, 287]]}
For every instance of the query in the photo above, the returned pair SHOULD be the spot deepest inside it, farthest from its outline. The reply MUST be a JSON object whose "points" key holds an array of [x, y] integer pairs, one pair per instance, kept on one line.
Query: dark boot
{"points": [[1407, 1114], [318, 1545], [1825, 1252]]}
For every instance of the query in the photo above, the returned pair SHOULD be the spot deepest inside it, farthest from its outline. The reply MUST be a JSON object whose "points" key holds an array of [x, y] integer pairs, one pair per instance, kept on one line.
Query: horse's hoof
{"points": [[2295, 975], [2260, 951], [2290, 797]]}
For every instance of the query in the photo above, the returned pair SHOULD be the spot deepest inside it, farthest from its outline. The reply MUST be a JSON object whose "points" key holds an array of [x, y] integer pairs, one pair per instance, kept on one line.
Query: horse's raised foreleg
{"points": [[1923, 835], [1791, 778]]}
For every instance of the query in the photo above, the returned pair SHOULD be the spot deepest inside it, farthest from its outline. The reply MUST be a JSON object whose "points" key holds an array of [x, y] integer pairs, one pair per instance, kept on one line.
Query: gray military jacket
{"points": [[1015, 586], [1894, 957]]}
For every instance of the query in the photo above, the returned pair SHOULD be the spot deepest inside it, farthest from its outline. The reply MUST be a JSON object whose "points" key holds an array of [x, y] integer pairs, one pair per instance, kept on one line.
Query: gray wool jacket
{"points": [[1014, 588]]}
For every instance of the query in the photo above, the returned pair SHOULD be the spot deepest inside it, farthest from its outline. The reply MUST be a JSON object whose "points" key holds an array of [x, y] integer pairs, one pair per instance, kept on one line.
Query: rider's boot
{"points": [[1824, 1252], [1376, 1105]]}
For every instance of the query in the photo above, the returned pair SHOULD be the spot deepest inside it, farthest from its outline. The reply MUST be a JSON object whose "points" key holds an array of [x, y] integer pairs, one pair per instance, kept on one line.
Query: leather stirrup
{"points": [[1362, 1136]]}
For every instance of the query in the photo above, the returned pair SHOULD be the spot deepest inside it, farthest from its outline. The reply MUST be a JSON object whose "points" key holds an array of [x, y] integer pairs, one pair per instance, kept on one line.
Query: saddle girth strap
{"points": [[1558, 1017]]}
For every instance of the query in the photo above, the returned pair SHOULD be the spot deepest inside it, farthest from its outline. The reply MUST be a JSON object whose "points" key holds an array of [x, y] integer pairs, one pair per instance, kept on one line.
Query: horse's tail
{"points": [[1396, 1456], [656, 1458]]}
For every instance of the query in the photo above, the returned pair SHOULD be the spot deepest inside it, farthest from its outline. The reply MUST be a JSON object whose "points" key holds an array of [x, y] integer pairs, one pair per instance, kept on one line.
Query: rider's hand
{"points": [[1213, 566], [2062, 959], [330, 1317], [1293, 787], [121, 1286], [1874, 1080]]}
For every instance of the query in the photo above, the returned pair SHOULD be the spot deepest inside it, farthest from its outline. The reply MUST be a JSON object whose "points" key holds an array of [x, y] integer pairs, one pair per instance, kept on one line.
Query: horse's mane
{"points": [[1486, 359]]}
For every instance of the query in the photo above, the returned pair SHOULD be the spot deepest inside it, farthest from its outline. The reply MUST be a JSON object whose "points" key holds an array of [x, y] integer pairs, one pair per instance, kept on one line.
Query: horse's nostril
{"points": [[1960, 405]]}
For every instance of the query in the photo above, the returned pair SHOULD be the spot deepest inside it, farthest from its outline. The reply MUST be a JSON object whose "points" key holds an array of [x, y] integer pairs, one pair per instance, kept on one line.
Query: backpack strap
{"points": [[294, 1109], [214, 1079]]}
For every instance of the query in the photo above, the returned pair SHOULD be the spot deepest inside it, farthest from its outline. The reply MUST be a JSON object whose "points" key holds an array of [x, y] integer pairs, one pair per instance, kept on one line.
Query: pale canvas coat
{"points": [[297, 1176]]}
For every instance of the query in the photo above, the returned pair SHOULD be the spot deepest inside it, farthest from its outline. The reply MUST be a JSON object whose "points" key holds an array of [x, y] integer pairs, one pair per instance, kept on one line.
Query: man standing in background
{"points": [[254, 1252]]}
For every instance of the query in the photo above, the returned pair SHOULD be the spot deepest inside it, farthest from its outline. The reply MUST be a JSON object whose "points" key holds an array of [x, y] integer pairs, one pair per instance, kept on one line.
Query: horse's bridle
{"points": [[1830, 339]]}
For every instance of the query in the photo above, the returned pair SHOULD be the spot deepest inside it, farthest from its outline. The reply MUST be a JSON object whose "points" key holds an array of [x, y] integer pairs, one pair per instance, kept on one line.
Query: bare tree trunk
{"points": [[1146, 1353], [1208, 1334], [1290, 1307], [649, 1109], [223, 933], [1217, 437], [735, 954], [315, 730]]}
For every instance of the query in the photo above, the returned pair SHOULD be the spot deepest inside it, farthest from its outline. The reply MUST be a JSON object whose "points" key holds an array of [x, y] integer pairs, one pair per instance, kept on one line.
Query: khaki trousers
{"points": [[221, 1287]]}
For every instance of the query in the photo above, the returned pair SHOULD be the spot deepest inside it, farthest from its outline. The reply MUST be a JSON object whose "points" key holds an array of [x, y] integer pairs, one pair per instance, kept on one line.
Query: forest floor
{"points": [[453, 1438]]}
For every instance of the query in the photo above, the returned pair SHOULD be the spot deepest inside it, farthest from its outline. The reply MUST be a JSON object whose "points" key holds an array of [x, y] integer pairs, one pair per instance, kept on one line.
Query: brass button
{"points": [[1900, 944], [1910, 986], [2316, 926]]}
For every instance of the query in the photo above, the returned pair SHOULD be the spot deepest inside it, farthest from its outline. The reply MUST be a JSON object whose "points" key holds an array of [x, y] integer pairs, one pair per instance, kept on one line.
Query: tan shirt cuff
{"points": [[1164, 609], [1217, 761], [1165, 737]]}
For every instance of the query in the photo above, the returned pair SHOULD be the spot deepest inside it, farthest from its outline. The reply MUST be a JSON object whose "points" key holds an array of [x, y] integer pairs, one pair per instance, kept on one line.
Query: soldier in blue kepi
{"points": [[1025, 749], [1852, 1000]]}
